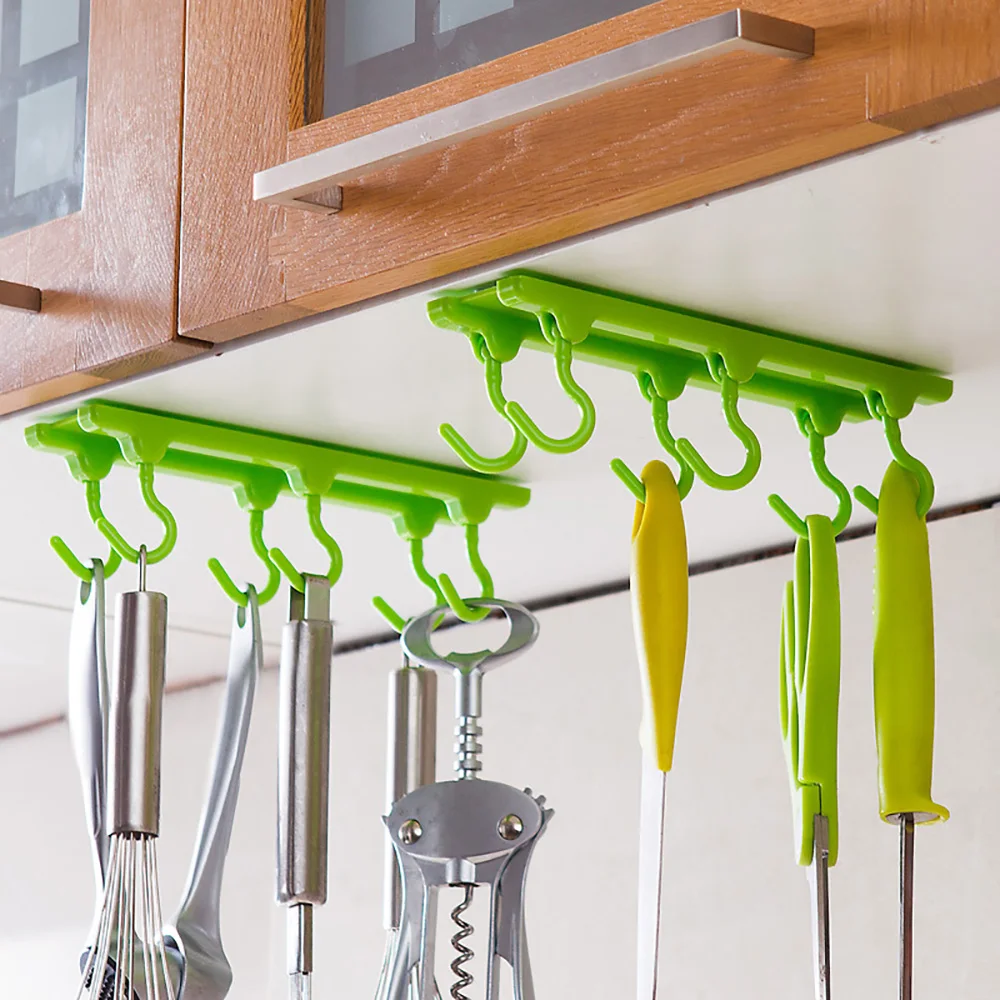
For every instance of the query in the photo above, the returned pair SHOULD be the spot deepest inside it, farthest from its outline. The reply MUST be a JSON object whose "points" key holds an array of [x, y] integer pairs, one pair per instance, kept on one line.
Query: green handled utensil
{"points": [[659, 584], [810, 697], [904, 682]]}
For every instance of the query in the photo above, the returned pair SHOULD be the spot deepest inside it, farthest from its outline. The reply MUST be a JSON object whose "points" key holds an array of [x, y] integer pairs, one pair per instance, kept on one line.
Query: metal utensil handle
{"points": [[137, 680], [88, 707], [411, 758], [304, 746], [202, 895], [416, 638]]}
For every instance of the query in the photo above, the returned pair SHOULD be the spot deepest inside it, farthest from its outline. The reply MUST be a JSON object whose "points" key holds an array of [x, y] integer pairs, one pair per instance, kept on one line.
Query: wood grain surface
{"points": [[941, 61], [108, 273], [236, 122]]}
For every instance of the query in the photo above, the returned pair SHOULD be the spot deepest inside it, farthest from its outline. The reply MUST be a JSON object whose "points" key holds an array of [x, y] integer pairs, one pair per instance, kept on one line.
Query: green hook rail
{"points": [[259, 466], [669, 348]]}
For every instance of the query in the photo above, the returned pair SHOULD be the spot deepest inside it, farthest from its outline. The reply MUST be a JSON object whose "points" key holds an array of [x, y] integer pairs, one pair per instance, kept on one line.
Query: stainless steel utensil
{"points": [[464, 833], [195, 938], [87, 718], [304, 770]]}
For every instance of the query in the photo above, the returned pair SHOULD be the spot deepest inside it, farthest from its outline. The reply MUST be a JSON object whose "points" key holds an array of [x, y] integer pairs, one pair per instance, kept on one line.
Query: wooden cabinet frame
{"points": [[108, 273], [880, 69]]}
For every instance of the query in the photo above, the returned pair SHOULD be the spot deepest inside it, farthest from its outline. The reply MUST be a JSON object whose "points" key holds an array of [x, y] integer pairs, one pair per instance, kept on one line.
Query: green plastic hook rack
{"points": [[674, 348], [259, 466]]}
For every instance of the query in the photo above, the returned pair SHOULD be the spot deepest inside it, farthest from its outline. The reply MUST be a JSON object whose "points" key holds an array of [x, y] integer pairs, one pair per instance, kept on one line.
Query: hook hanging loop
{"points": [[562, 351], [730, 407], [225, 581], [494, 389], [817, 455], [158, 509], [76, 566], [893, 435], [314, 510]]}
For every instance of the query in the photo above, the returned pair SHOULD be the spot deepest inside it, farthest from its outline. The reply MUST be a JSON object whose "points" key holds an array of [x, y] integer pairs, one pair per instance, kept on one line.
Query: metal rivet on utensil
{"points": [[410, 832], [510, 827]]}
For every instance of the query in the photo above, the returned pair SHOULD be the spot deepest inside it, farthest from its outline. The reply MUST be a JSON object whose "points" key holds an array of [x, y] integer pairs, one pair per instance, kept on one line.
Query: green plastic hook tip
{"points": [[633, 483]]}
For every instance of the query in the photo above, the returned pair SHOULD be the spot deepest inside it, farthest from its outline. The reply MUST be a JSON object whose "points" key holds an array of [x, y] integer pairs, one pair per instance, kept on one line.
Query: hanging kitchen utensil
{"points": [[304, 770], [809, 708], [464, 833], [194, 940], [659, 588], [86, 714], [411, 763], [904, 679], [129, 959]]}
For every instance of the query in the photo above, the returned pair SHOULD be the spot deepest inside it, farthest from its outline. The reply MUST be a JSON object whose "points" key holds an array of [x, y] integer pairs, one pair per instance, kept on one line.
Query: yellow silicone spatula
{"points": [[659, 583]]}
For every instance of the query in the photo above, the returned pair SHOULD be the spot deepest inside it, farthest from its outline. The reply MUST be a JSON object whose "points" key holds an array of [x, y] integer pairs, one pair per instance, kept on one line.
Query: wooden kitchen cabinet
{"points": [[256, 98], [90, 130]]}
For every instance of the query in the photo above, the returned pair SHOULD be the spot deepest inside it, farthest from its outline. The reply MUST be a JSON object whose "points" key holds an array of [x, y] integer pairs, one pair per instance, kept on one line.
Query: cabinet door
{"points": [[90, 120], [273, 81]]}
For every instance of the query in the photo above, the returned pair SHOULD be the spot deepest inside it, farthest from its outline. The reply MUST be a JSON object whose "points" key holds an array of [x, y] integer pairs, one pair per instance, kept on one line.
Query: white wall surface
{"points": [[564, 720]]}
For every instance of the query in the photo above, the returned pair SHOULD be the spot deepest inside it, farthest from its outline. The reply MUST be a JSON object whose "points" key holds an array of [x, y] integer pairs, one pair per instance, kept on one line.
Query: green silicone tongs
{"points": [[810, 696], [904, 682]]}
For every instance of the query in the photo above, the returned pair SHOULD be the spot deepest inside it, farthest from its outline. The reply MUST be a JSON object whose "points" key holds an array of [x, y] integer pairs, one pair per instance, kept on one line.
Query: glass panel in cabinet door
{"points": [[43, 100], [375, 48]]}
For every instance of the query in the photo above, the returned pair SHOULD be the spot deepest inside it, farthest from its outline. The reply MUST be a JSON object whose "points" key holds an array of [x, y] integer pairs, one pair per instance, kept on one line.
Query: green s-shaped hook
{"points": [[494, 389], [314, 510], [562, 351], [925, 481], [156, 507], [225, 581], [442, 589], [396, 620], [746, 437], [66, 554], [461, 610], [817, 454]]}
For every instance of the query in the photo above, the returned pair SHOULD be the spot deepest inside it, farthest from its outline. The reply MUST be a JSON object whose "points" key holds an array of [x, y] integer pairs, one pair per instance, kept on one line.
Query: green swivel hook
{"points": [[562, 351], [893, 435], [442, 589], [158, 509], [461, 610], [66, 554], [817, 454], [494, 389], [661, 425], [730, 407], [314, 510], [225, 581], [396, 620]]}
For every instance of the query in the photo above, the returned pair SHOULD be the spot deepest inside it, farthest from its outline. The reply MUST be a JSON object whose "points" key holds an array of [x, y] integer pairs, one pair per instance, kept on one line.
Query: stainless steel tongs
{"points": [[196, 935]]}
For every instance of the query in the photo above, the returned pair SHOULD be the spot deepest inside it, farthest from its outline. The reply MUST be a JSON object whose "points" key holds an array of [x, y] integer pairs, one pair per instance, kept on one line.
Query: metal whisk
{"points": [[128, 960]]}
